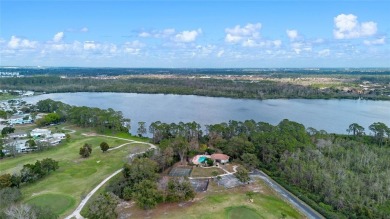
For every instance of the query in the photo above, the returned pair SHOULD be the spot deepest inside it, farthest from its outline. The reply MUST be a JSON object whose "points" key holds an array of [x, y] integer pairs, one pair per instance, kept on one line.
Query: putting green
{"points": [[241, 212], [58, 203]]}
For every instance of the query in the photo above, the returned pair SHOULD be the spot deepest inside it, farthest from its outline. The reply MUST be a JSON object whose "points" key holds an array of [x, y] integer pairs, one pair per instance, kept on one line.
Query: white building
{"points": [[16, 135], [40, 133], [58, 135], [19, 120]]}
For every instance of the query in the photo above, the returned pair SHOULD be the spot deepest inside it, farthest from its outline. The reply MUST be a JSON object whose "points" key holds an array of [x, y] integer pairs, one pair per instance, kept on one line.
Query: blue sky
{"points": [[262, 33]]}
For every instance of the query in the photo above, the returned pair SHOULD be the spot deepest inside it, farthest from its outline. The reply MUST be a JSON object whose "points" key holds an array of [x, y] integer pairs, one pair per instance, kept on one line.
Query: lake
{"points": [[330, 115]]}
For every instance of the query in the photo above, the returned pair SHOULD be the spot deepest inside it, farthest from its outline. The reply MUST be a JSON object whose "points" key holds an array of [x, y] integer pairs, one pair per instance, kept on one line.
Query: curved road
{"points": [[76, 213], [292, 199]]}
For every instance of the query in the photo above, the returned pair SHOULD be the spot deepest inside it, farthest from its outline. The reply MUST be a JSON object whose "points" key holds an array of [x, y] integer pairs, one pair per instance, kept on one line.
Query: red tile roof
{"points": [[219, 157]]}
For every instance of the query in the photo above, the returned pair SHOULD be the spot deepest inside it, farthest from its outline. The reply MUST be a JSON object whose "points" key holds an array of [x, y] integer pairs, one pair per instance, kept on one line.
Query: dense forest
{"points": [[261, 89], [101, 120], [340, 176]]}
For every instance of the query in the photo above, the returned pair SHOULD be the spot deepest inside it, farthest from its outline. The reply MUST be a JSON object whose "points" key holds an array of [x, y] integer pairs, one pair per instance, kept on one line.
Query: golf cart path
{"points": [[76, 213]]}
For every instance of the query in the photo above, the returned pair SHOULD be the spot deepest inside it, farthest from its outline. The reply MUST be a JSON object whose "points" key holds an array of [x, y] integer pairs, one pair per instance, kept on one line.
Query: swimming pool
{"points": [[201, 159]]}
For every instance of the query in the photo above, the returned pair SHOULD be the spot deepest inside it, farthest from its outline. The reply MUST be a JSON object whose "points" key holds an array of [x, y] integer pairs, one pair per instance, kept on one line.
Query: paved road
{"points": [[295, 201], [76, 213]]}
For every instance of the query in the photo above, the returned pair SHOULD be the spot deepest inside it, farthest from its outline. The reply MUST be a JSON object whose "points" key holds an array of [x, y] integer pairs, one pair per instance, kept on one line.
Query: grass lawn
{"points": [[241, 212], [221, 203], [76, 176], [205, 172], [58, 203]]}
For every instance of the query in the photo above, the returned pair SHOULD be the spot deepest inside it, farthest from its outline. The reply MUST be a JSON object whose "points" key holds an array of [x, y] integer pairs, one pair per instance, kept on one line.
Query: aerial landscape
{"points": [[194, 109]]}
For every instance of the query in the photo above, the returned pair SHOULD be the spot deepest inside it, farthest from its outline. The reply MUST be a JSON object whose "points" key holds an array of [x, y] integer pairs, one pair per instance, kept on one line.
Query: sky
{"points": [[195, 34]]}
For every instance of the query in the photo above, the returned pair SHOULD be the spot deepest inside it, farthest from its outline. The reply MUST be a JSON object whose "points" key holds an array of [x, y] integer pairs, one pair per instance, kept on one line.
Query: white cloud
{"points": [[292, 34], [135, 43], [348, 27], [232, 39], [58, 37], [90, 45], [144, 34], [324, 52], [262, 43], [379, 41], [18, 43], [187, 36], [84, 29], [238, 33], [133, 48], [277, 43], [299, 47], [168, 32], [220, 53]]}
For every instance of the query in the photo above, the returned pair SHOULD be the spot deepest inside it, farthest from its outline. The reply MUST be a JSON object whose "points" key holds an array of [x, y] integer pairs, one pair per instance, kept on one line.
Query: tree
{"points": [[9, 196], [49, 165], [3, 114], [86, 150], [67, 137], [11, 148], [2, 154], [141, 129], [380, 130], [51, 118], [140, 169], [250, 161], [242, 175], [15, 180], [179, 189], [7, 130], [356, 129], [104, 146], [20, 211], [5, 180], [180, 145], [311, 131], [164, 157], [31, 143], [146, 194], [209, 162], [103, 207], [250, 194]]}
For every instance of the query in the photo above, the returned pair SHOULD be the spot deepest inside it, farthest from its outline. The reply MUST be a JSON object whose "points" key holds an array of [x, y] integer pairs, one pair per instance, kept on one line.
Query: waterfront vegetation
{"points": [[270, 86]]}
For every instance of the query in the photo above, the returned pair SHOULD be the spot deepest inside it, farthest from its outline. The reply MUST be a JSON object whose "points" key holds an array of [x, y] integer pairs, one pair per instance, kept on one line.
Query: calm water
{"points": [[330, 115]]}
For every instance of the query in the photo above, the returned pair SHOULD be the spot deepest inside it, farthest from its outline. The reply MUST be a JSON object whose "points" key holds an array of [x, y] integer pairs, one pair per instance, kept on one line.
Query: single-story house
{"points": [[53, 141], [221, 158], [58, 135], [19, 120], [19, 134], [40, 132]]}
